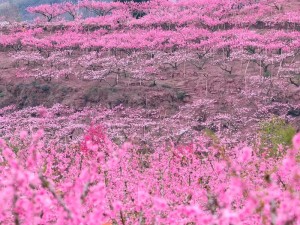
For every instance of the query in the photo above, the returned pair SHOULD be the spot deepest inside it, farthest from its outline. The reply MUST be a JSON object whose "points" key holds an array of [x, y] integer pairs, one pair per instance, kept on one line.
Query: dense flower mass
{"points": [[93, 39], [296, 141], [141, 166], [98, 182]]}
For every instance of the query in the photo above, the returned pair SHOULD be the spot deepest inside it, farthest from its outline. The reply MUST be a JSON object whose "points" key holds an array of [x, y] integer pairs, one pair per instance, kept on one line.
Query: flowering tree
{"points": [[54, 169], [99, 182], [49, 12]]}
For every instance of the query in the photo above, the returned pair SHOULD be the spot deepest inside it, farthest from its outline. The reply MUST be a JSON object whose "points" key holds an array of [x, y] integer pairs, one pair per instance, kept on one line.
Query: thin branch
{"points": [[46, 184]]}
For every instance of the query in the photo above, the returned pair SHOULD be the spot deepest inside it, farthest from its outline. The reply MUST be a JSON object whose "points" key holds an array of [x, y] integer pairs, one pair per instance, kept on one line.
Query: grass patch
{"points": [[274, 133]]}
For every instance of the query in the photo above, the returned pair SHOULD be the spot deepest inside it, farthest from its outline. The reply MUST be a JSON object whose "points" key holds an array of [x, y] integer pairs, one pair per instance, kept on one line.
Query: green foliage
{"points": [[274, 133], [13, 147], [211, 134]]}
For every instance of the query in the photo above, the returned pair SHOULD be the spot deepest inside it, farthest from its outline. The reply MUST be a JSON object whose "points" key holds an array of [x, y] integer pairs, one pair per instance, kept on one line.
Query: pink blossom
{"points": [[296, 141], [23, 135], [245, 155]]}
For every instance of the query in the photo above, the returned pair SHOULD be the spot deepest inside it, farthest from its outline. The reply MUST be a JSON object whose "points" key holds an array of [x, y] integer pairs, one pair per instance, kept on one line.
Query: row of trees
{"points": [[139, 39], [151, 65], [174, 34], [156, 12]]}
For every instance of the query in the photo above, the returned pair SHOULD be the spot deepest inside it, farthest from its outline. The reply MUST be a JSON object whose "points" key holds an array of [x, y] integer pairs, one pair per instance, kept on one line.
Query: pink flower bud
{"points": [[117, 206], [2, 143], [23, 135], [245, 155], [42, 112], [127, 146], [38, 135], [296, 141], [160, 203]]}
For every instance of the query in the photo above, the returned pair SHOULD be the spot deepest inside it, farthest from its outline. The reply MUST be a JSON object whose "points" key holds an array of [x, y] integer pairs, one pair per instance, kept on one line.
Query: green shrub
{"points": [[273, 133]]}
